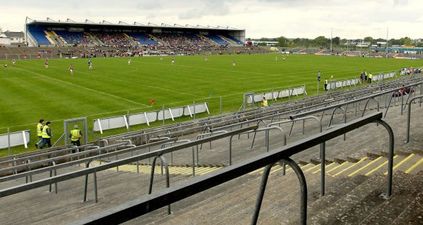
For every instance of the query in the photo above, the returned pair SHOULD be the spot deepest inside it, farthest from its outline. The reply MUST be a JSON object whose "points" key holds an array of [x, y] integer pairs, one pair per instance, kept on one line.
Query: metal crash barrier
{"points": [[125, 121], [138, 207]]}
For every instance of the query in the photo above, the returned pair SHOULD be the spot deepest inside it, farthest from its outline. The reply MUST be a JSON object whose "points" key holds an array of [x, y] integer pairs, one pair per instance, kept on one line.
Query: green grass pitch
{"points": [[30, 92]]}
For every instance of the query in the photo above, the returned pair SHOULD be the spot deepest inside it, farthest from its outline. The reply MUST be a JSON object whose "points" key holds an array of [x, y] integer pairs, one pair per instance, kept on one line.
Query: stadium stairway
{"points": [[230, 41], [202, 37], [92, 39], [351, 193]]}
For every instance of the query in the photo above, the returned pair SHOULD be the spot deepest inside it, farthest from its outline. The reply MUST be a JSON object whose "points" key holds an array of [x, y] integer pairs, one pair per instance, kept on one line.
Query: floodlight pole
{"points": [[331, 49], [26, 31], [387, 43]]}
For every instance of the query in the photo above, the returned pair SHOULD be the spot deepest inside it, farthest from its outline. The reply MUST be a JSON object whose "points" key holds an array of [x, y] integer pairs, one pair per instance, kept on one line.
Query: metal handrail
{"points": [[138, 207], [252, 112], [108, 165], [318, 110], [267, 135], [297, 119], [171, 126], [167, 144], [58, 158], [352, 101], [40, 153], [79, 161], [409, 117], [200, 136]]}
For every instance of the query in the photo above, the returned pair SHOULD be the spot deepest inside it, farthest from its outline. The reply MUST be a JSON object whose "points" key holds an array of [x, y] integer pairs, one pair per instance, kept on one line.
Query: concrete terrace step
{"points": [[192, 210], [38, 206], [238, 200], [411, 163], [371, 202], [175, 170], [413, 214], [404, 192], [363, 204], [372, 187], [339, 187]]}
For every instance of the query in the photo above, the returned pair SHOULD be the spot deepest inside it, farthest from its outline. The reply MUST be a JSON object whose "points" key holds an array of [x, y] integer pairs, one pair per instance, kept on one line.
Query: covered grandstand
{"points": [[71, 33]]}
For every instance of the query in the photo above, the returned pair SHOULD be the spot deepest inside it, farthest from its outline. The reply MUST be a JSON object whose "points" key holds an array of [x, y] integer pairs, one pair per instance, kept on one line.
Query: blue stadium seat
{"points": [[71, 37], [39, 35], [143, 38]]}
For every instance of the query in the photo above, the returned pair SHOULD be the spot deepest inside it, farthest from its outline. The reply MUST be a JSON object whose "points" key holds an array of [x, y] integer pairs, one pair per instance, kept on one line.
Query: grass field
{"points": [[30, 92]]}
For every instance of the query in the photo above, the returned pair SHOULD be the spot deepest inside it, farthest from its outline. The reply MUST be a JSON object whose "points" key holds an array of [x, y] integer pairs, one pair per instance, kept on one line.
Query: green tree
{"points": [[394, 42], [301, 42], [283, 41], [406, 41], [368, 39], [336, 41], [321, 41]]}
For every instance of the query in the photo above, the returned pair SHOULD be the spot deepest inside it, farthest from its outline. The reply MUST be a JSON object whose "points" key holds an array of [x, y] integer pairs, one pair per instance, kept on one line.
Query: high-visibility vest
{"points": [[370, 75], [39, 129], [75, 134], [264, 103], [44, 133]]}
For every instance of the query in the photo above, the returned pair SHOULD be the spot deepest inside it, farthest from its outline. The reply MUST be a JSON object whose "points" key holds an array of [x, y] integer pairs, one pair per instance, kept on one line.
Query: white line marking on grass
{"points": [[87, 88]]}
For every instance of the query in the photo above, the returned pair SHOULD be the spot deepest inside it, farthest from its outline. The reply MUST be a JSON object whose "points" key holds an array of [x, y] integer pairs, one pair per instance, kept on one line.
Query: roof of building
{"points": [[11, 34], [134, 24]]}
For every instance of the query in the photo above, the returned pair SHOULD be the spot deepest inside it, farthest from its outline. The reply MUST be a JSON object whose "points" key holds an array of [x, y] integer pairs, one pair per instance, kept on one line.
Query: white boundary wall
{"points": [[277, 94], [352, 82], [16, 139], [109, 123], [345, 83], [383, 76]]}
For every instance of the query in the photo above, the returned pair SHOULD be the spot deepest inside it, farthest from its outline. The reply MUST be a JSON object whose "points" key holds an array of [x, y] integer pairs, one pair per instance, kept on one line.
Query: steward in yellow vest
{"points": [[75, 136], [264, 103], [46, 135], [40, 126], [370, 77]]}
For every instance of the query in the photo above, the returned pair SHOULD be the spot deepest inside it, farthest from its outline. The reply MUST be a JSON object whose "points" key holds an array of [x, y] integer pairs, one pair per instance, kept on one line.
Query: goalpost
{"points": [[69, 124]]}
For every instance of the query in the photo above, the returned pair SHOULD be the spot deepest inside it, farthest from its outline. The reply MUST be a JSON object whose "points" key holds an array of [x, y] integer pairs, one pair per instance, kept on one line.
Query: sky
{"points": [[260, 18]]}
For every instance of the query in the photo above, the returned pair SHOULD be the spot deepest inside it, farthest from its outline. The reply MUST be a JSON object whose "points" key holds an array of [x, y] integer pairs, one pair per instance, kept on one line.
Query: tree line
{"points": [[324, 42]]}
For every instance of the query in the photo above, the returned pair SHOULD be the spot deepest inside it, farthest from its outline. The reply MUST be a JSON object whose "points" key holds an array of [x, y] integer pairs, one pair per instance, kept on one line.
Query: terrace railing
{"points": [[119, 162], [409, 115], [278, 110], [138, 207]]}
